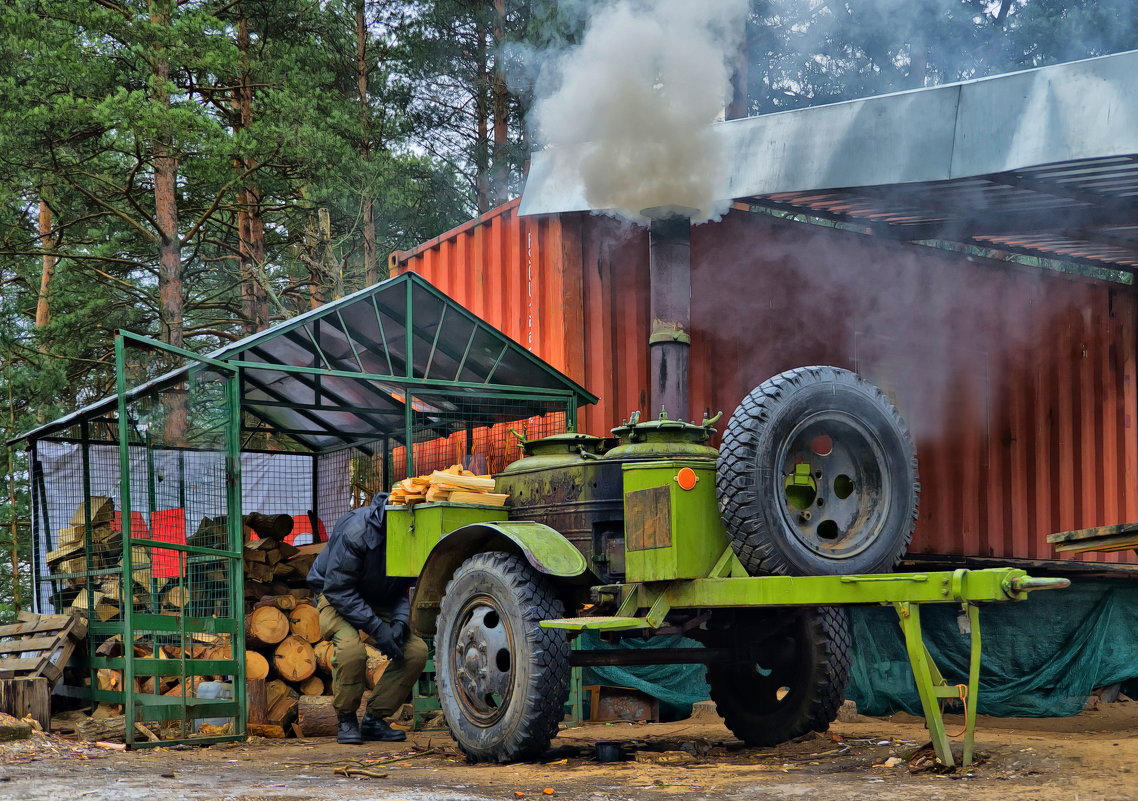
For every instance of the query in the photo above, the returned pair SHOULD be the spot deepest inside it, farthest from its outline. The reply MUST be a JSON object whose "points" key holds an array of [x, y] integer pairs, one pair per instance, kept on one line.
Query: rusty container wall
{"points": [[1019, 383]]}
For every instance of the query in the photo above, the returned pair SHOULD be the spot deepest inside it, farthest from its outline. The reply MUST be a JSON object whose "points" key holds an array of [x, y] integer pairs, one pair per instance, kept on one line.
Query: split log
{"points": [[313, 685], [255, 695], [176, 597], [317, 717], [323, 653], [304, 622], [113, 730], [276, 689], [109, 679], [283, 712], [265, 730], [256, 666], [294, 659], [265, 626], [376, 664]]}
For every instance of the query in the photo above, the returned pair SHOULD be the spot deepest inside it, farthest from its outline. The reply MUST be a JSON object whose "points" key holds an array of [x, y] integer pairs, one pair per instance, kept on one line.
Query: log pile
{"points": [[453, 485], [289, 668], [274, 567]]}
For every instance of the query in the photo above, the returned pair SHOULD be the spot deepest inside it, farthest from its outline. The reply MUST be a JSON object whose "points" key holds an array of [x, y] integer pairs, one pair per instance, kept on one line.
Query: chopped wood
{"points": [[318, 718], [256, 666], [277, 689], [304, 622], [314, 548], [255, 695], [301, 564], [102, 511], [476, 483], [265, 730], [259, 571], [301, 594], [265, 626], [323, 653], [313, 685], [376, 664], [282, 712], [437, 493], [287, 550], [484, 498], [294, 658]]}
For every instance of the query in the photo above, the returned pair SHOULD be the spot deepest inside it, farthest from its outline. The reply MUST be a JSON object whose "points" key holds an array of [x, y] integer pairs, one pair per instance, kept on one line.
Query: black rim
{"points": [[833, 496], [482, 660]]}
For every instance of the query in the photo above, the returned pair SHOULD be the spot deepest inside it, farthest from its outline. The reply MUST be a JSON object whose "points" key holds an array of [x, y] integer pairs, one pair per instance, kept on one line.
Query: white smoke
{"points": [[632, 105]]}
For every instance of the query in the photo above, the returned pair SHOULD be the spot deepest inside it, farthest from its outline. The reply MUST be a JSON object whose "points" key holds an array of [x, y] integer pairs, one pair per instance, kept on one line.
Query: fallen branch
{"points": [[359, 772]]}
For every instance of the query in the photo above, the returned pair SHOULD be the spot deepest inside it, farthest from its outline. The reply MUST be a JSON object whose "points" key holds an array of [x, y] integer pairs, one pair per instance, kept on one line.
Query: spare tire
{"points": [[817, 475]]}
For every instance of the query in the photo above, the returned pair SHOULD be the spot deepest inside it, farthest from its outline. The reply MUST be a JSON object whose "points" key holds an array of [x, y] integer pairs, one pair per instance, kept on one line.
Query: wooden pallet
{"points": [[39, 645]]}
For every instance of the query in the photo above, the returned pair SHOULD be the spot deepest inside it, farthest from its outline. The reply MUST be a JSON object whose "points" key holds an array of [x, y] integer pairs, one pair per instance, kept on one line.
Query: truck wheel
{"points": [[817, 475], [503, 680], [790, 683]]}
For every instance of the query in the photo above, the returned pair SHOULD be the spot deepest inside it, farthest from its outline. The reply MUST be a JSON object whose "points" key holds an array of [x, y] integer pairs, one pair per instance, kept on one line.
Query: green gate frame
{"points": [[137, 706]]}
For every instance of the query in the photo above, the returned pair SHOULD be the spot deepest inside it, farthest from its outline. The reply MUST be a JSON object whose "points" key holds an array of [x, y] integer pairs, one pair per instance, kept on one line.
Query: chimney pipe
{"points": [[669, 343]]}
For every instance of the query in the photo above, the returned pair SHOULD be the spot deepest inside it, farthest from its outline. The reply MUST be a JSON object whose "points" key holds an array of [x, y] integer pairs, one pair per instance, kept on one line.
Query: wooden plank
{"points": [[29, 644], [1085, 534], [16, 629]]}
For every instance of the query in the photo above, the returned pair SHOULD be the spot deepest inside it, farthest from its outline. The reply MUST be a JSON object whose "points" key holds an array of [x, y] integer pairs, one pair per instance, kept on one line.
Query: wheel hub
{"points": [[484, 660], [833, 497]]}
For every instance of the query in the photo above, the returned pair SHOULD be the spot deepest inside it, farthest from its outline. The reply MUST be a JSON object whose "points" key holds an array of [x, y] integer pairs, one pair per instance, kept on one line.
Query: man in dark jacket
{"points": [[356, 595]]}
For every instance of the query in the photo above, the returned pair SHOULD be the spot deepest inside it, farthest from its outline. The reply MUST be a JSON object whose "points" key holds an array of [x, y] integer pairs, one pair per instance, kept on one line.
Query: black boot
{"points": [[374, 728], [349, 732]]}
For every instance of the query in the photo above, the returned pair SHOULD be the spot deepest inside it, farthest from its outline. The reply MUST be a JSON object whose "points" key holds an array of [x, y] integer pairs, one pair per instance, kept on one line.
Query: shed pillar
{"points": [[669, 340]]}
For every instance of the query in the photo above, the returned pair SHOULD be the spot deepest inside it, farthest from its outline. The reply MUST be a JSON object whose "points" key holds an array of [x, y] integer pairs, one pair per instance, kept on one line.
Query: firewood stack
{"points": [[272, 566], [289, 668], [453, 485]]}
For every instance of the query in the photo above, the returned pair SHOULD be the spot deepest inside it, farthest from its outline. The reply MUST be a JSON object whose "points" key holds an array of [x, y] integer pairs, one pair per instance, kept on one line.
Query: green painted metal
{"points": [[185, 707], [670, 532], [414, 531], [904, 591], [543, 547]]}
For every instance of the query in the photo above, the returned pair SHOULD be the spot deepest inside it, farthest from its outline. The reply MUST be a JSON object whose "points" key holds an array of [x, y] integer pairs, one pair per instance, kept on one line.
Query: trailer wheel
{"points": [[503, 680], [817, 475], [790, 683]]}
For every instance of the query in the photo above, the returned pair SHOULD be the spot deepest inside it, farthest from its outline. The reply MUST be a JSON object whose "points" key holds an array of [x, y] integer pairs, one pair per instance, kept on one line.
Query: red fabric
{"points": [[138, 527], [169, 526], [301, 524]]}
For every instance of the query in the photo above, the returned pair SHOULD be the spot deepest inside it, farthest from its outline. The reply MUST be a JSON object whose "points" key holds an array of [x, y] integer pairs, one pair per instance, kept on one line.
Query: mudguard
{"points": [[543, 547]]}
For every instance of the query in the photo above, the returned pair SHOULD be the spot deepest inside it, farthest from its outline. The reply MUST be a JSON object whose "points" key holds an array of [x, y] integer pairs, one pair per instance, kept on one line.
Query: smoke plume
{"points": [[632, 105]]}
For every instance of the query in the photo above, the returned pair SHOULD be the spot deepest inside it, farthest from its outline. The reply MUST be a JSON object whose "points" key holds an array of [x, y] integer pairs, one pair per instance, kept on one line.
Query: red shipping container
{"points": [[1018, 382]]}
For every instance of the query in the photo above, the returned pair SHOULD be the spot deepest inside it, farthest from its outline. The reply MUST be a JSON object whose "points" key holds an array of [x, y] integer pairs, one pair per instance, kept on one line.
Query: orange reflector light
{"points": [[686, 478]]}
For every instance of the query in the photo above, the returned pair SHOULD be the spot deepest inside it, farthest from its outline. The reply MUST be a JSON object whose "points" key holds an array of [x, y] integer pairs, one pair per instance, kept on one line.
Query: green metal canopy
{"points": [[341, 374]]}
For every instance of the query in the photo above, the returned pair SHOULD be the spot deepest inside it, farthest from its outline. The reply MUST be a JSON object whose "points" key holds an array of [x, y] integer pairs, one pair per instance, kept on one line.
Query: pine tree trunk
{"points": [[500, 105], [165, 195], [47, 245], [481, 122], [371, 266], [250, 223]]}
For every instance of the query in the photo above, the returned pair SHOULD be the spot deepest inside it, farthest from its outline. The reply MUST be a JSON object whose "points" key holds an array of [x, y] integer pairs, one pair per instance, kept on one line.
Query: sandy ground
{"points": [[1092, 756]]}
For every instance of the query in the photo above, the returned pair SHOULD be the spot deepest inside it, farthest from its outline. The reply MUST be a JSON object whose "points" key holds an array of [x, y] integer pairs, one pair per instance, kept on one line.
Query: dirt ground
{"points": [[1091, 756]]}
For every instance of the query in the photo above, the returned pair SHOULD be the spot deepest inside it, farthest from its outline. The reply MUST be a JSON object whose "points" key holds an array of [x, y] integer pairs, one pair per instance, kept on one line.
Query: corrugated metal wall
{"points": [[1018, 383]]}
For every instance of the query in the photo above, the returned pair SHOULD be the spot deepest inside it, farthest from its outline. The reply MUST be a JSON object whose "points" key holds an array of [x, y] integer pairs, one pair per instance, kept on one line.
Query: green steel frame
{"points": [[729, 586], [136, 706]]}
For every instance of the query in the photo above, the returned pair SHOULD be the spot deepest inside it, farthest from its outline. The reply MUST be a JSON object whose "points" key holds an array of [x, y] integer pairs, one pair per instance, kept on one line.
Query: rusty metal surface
{"points": [[648, 518], [1019, 383]]}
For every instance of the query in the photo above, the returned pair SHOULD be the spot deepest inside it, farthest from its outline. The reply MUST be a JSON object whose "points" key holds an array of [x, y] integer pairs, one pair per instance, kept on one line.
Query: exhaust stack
{"points": [[669, 343]]}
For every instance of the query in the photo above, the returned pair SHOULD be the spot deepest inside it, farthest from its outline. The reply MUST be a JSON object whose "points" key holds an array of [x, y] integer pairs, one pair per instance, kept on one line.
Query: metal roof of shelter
{"points": [[339, 374], [1042, 162]]}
